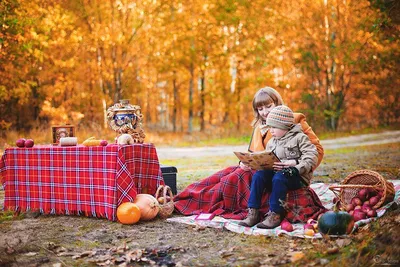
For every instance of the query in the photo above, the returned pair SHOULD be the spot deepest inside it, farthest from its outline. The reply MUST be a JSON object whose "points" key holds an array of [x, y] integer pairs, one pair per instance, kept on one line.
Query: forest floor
{"points": [[31, 239]]}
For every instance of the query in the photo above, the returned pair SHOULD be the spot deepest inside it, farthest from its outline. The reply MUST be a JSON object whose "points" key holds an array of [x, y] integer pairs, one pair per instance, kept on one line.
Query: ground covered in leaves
{"points": [[31, 239]]}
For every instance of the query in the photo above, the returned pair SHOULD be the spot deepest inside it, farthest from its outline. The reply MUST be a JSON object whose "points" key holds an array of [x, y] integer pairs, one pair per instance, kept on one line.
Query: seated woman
{"points": [[226, 192]]}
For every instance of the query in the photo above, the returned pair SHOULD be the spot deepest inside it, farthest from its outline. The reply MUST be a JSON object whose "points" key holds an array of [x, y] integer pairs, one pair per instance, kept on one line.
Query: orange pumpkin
{"points": [[128, 213], [148, 205]]}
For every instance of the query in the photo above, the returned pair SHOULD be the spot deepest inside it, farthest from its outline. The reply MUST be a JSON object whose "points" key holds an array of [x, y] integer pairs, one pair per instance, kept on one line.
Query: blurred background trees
{"points": [[195, 65]]}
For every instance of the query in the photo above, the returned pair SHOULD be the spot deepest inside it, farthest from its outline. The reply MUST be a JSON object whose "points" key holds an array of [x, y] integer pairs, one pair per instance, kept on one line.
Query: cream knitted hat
{"points": [[280, 117]]}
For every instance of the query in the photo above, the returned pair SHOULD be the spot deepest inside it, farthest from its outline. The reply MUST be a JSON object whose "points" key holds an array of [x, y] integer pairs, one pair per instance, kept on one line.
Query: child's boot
{"points": [[253, 217], [271, 220]]}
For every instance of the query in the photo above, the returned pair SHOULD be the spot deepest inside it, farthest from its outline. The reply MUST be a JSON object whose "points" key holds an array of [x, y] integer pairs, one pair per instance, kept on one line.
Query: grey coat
{"points": [[296, 145]]}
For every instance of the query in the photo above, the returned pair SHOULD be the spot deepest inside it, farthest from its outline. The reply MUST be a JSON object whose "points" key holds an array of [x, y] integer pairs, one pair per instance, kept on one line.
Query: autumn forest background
{"points": [[194, 66]]}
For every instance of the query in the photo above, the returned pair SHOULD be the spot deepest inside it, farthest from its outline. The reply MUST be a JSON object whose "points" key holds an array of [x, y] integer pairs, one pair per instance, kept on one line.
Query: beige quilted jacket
{"points": [[296, 145]]}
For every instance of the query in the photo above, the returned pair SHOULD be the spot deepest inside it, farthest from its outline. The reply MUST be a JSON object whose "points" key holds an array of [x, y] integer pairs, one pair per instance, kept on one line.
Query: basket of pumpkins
{"points": [[362, 192]]}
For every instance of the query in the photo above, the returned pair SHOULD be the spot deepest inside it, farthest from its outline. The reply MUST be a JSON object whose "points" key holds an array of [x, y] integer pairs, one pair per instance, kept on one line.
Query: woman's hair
{"points": [[263, 97]]}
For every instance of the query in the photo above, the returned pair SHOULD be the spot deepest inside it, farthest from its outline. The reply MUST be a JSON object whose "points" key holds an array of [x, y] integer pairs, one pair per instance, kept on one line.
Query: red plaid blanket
{"points": [[80, 180], [226, 192]]}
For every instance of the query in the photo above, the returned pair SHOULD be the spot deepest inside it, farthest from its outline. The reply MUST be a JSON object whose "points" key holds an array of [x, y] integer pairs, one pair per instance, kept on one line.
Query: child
{"points": [[295, 150]]}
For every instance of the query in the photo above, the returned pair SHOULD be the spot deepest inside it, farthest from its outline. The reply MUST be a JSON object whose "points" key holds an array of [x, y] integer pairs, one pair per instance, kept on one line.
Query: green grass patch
{"points": [[6, 216]]}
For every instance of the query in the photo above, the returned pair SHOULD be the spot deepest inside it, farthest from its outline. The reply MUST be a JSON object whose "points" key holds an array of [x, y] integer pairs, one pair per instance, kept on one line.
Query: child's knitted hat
{"points": [[280, 117]]}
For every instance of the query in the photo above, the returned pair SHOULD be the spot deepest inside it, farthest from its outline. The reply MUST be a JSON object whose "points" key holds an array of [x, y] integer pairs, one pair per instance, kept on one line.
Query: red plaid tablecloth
{"points": [[90, 181]]}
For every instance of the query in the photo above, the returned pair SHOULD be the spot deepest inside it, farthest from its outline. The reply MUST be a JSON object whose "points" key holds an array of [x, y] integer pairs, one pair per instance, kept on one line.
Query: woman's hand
{"points": [[278, 166], [244, 167]]}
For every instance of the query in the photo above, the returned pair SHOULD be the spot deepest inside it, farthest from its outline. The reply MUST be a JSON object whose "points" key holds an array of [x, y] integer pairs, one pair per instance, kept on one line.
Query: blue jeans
{"points": [[276, 183]]}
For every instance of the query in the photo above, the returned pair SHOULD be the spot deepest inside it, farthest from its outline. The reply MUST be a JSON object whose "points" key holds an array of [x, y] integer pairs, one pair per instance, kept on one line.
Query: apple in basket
{"points": [[161, 200], [20, 142], [373, 201]]}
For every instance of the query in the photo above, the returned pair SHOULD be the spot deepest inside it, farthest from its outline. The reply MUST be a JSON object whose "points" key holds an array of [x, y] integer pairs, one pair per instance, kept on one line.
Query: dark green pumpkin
{"points": [[336, 223]]}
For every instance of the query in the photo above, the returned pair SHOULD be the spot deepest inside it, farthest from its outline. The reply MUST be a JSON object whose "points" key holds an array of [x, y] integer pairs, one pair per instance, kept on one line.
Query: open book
{"points": [[263, 160]]}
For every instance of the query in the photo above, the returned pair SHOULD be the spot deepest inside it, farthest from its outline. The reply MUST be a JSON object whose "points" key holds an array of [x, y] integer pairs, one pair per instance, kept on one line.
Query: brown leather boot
{"points": [[253, 217], [271, 220]]}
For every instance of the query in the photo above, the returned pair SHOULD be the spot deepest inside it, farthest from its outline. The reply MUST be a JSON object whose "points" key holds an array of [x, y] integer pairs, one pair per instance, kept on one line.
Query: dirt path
{"points": [[351, 141]]}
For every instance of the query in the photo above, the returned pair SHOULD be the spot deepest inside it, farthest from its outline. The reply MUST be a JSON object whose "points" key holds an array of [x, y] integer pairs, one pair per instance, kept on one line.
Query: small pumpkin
{"points": [[128, 213], [148, 205], [336, 223]]}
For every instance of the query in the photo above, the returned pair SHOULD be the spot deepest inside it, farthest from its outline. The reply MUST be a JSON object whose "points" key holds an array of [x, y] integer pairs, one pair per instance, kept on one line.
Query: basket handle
{"points": [[164, 191], [168, 192], [158, 192], [333, 187]]}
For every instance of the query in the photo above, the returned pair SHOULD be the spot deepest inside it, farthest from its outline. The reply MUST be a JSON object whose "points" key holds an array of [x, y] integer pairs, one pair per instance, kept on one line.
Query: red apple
{"points": [[371, 213], [359, 215], [349, 207], [366, 208], [373, 201], [287, 226], [356, 201], [357, 208], [363, 194], [103, 143], [29, 143], [20, 142]]}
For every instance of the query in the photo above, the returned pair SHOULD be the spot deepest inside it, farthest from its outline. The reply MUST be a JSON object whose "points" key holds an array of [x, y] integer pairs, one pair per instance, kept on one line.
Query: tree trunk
{"points": [[102, 88], [190, 123], [175, 102], [238, 92], [202, 101], [103, 100]]}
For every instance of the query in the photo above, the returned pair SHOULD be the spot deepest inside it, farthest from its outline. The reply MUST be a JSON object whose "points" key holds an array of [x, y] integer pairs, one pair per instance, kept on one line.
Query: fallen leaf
{"points": [[102, 258], [10, 250], [225, 253], [343, 242], [199, 228], [296, 256], [66, 253], [332, 250], [83, 254], [30, 254], [60, 249], [107, 263], [134, 255], [120, 260]]}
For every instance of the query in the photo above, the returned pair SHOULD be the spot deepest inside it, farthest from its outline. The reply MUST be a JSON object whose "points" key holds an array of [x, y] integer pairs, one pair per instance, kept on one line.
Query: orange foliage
{"points": [[195, 65]]}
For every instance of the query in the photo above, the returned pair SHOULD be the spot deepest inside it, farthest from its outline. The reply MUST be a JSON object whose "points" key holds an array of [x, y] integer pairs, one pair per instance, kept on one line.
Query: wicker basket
{"points": [[168, 206], [358, 180]]}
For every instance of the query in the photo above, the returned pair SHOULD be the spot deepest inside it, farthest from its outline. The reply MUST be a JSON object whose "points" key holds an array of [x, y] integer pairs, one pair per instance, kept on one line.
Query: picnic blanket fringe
{"points": [[53, 211]]}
